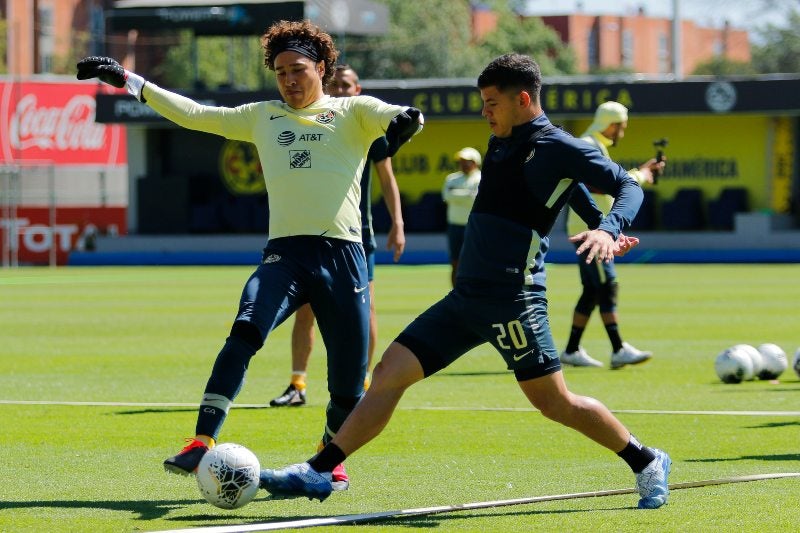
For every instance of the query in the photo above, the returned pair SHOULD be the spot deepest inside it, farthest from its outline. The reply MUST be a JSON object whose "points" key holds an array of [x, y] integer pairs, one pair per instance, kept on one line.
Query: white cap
{"points": [[608, 113], [469, 154]]}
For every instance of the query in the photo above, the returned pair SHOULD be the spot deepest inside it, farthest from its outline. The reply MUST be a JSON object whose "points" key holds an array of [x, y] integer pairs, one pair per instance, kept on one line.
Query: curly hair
{"points": [[278, 34]]}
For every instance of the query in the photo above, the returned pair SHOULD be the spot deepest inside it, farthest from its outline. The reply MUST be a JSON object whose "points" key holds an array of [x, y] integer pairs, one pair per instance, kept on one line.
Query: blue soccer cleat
{"points": [[296, 481], [652, 482]]}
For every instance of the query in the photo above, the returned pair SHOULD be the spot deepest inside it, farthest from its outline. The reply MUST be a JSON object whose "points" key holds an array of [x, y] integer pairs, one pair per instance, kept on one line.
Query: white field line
{"points": [[429, 408], [371, 517]]}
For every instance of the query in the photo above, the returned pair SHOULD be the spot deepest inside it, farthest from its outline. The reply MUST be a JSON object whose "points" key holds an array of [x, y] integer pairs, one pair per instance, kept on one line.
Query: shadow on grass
{"points": [[182, 410], [775, 425], [772, 457], [147, 510]]}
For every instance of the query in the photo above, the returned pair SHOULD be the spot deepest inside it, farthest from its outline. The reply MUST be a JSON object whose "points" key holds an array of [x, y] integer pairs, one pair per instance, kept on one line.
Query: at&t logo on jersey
{"points": [[299, 158], [286, 138]]}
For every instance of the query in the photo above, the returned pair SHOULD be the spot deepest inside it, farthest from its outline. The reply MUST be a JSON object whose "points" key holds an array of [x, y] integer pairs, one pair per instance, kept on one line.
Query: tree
{"points": [[528, 35], [3, 49], [780, 51], [722, 66], [230, 62], [430, 39]]}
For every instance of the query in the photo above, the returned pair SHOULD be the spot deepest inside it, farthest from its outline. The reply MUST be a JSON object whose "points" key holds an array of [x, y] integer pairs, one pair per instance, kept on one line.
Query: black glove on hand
{"points": [[402, 127], [103, 68], [109, 71]]}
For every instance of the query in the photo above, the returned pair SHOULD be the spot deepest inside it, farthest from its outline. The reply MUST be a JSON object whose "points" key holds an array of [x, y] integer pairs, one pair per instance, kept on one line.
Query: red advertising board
{"points": [[29, 233], [55, 121]]}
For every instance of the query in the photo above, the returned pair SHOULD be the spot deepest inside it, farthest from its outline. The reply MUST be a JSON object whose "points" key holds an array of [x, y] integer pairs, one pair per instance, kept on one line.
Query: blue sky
{"points": [[746, 14]]}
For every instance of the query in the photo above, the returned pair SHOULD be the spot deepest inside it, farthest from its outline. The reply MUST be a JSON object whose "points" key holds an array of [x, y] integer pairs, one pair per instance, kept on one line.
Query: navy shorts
{"points": [[516, 324], [331, 275], [455, 240]]}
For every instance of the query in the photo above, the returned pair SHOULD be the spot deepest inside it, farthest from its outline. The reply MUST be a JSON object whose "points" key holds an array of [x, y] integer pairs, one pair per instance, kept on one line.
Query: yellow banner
{"points": [[707, 152]]}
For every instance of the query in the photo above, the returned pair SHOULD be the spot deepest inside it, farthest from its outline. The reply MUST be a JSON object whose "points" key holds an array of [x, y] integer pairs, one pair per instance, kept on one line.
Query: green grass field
{"points": [[145, 337]]}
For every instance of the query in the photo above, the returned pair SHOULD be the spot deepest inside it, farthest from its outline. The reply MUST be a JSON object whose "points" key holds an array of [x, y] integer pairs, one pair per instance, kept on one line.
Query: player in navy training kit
{"points": [[530, 170]]}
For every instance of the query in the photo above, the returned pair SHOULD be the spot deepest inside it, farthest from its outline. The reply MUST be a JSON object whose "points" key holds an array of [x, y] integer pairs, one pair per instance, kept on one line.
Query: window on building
{"points": [[664, 63], [46, 39], [593, 48], [627, 48]]}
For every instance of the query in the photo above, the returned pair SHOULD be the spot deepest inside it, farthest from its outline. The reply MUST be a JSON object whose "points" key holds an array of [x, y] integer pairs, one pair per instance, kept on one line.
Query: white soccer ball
{"points": [[796, 362], [774, 359], [755, 357], [733, 366], [228, 476]]}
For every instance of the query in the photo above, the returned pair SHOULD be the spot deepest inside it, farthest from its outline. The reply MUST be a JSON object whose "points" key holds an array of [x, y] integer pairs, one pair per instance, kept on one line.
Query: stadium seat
{"points": [[722, 210], [684, 212], [429, 215]]}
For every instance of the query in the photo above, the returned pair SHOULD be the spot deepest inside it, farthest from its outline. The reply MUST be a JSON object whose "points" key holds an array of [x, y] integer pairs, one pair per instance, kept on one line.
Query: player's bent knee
{"points": [[587, 301], [248, 333], [607, 296]]}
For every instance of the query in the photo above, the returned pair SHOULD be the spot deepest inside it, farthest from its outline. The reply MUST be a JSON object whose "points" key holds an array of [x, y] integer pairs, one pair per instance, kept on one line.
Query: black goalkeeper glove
{"points": [[109, 71], [402, 127]]}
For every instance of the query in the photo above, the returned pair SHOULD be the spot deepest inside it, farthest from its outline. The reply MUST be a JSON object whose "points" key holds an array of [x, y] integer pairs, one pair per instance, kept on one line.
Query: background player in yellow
{"points": [[459, 192], [345, 83], [598, 279]]}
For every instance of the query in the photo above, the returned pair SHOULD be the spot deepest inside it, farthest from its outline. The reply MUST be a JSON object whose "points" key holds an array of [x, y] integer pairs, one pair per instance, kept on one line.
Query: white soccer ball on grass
{"points": [[733, 366], [755, 357], [774, 359], [228, 476], [796, 362]]}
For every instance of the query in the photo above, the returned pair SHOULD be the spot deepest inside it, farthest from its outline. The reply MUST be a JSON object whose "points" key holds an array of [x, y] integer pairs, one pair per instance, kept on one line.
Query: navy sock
{"points": [[575, 335], [613, 336], [330, 456], [637, 455]]}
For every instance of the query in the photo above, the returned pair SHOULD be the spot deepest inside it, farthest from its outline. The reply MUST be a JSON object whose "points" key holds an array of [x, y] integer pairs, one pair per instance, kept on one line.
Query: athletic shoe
{"points": [[339, 478], [296, 481], [185, 462], [291, 397], [579, 358], [652, 482], [628, 355]]}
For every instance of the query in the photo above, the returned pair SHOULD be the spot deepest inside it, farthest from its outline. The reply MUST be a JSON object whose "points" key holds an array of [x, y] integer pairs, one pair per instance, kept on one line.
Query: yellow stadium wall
{"points": [[707, 152]]}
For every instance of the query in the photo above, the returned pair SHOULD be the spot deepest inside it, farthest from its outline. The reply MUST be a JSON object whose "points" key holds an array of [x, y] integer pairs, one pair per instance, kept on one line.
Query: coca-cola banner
{"points": [[55, 121]]}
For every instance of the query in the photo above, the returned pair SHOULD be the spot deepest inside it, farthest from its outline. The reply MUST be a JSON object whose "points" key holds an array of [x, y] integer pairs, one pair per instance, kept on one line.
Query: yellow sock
{"points": [[205, 439], [299, 380]]}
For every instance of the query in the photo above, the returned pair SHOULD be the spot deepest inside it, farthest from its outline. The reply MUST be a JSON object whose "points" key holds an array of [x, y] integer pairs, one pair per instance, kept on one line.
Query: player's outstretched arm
{"points": [[402, 127], [109, 71]]}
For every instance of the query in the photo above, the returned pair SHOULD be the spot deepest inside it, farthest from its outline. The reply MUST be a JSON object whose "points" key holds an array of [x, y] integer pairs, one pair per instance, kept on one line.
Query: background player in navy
{"points": [[599, 280], [345, 83], [530, 170], [313, 149]]}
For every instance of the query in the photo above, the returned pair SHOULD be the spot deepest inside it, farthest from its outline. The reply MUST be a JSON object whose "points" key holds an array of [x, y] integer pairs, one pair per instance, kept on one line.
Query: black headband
{"points": [[301, 46]]}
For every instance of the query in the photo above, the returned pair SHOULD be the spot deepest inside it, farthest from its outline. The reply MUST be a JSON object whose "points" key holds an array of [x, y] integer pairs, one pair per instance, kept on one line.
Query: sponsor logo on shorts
{"points": [[299, 158], [530, 156], [271, 258], [520, 356], [359, 289]]}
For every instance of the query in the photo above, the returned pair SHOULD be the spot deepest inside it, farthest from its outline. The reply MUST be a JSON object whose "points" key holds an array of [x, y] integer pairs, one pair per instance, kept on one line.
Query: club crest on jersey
{"points": [[326, 117], [299, 158], [286, 138], [271, 258]]}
